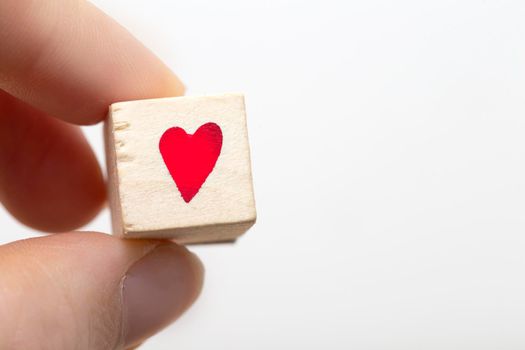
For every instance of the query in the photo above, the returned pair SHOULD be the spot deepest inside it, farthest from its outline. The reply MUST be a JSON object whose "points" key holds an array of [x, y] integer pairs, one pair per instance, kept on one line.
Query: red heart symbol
{"points": [[191, 158]]}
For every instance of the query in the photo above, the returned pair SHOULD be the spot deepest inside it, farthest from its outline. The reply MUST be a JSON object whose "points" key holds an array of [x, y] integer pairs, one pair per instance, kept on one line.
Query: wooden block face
{"points": [[180, 168]]}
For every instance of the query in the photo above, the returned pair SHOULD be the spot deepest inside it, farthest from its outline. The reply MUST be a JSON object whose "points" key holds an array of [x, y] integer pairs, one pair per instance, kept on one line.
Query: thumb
{"points": [[92, 291]]}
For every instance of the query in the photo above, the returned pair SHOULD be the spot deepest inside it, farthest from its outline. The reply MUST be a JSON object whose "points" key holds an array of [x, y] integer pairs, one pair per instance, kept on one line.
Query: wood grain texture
{"points": [[144, 199]]}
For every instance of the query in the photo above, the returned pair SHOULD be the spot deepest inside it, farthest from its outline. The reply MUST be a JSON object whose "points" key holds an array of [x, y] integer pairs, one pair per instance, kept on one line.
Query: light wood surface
{"points": [[145, 200]]}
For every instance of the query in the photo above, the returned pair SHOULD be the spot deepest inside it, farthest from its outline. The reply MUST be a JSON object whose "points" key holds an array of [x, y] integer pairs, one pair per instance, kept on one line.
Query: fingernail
{"points": [[157, 289]]}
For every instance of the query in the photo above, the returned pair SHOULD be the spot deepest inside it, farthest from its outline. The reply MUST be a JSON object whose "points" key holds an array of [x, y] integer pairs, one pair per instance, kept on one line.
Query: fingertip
{"points": [[85, 61], [51, 179], [100, 291]]}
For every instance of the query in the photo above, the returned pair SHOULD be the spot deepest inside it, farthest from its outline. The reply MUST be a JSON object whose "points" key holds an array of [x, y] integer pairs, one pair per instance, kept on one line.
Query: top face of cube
{"points": [[181, 162]]}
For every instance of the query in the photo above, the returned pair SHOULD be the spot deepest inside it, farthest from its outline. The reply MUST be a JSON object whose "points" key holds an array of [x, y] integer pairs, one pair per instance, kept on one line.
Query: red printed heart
{"points": [[191, 158]]}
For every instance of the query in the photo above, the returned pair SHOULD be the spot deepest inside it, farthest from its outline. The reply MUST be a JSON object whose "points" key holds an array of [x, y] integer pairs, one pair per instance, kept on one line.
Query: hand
{"points": [[62, 62]]}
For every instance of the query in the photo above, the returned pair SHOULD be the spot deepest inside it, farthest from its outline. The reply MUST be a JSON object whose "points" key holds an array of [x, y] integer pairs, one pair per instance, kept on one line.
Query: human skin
{"points": [[62, 62]]}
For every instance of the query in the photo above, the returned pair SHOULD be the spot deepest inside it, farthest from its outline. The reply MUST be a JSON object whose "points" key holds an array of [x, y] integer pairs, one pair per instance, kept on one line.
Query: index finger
{"points": [[70, 60]]}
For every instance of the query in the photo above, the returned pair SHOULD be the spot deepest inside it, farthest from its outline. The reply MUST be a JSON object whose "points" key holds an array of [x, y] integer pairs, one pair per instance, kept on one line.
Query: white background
{"points": [[388, 142]]}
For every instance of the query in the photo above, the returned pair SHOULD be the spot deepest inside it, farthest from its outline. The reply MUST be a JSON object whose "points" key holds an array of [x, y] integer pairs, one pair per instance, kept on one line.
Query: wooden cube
{"points": [[180, 168]]}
